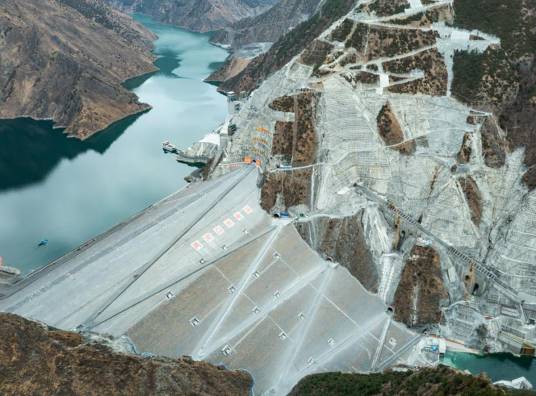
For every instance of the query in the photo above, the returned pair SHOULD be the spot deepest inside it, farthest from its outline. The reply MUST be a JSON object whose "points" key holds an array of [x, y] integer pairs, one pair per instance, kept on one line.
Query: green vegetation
{"points": [[388, 7], [441, 381], [409, 19], [507, 19], [359, 37], [343, 30], [488, 76], [468, 72]]}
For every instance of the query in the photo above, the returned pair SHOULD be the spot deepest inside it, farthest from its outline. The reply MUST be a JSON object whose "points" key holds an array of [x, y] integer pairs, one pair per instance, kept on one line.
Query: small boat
{"points": [[44, 242], [168, 147]]}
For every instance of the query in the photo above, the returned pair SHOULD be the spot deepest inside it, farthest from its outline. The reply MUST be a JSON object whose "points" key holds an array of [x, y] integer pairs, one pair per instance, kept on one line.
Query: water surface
{"points": [[67, 191], [499, 366]]}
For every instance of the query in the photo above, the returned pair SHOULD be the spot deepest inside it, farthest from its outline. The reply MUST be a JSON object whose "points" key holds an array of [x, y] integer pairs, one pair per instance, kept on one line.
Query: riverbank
{"points": [[498, 366]]}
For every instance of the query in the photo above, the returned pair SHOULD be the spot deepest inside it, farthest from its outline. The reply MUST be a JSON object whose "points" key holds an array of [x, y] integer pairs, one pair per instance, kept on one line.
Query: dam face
{"points": [[207, 273]]}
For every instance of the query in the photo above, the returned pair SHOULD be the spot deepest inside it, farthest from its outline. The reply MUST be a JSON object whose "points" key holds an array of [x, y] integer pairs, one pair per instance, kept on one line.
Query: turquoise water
{"points": [[497, 366], [68, 191]]}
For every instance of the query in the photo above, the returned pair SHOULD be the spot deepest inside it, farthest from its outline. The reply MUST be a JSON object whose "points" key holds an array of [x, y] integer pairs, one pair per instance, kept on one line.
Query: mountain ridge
{"points": [[38, 359], [196, 15], [66, 61]]}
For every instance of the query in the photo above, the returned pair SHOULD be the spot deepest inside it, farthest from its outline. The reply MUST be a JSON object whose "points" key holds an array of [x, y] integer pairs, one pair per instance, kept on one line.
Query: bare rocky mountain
{"points": [[66, 60], [268, 26], [196, 15], [286, 47], [37, 359], [251, 37]]}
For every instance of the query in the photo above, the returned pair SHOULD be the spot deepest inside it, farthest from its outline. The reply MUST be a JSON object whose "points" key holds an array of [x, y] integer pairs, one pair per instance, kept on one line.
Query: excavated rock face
{"points": [[391, 132], [287, 47], [35, 359], [343, 241], [297, 143], [66, 61], [473, 198], [419, 293], [390, 80]]}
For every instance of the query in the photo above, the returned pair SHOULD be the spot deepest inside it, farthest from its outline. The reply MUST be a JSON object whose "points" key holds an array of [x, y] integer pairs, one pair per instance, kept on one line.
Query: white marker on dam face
{"points": [[208, 237], [197, 245], [219, 230]]}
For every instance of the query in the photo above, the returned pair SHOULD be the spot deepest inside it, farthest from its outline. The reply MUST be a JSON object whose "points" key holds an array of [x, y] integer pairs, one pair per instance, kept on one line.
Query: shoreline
{"points": [[32, 276], [144, 107], [458, 347], [36, 273]]}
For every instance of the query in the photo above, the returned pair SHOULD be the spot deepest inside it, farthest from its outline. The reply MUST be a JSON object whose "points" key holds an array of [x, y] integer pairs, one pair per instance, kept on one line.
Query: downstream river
{"points": [[68, 191], [500, 366]]}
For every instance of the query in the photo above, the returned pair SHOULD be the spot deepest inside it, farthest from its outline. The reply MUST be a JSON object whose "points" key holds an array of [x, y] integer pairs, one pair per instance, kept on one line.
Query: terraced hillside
{"points": [[421, 131]]}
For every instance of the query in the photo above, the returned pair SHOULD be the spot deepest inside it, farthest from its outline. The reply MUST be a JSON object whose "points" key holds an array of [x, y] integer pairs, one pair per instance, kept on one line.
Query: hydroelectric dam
{"points": [[207, 273]]}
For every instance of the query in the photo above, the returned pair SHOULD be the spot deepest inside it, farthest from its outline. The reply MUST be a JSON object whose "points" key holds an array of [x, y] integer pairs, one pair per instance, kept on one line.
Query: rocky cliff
{"points": [[250, 37], [287, 47], [196, 15], [268, 26], [420, 290], [36, 359], [66, 60]]}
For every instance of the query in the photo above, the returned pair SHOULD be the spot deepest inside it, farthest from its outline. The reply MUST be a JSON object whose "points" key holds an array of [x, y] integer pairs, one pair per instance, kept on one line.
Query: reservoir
{"points": [[67, 191]]}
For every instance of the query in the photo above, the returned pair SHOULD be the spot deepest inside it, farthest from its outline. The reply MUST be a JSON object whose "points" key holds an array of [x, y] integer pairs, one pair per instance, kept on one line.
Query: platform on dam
{"points": [[207, 273]]}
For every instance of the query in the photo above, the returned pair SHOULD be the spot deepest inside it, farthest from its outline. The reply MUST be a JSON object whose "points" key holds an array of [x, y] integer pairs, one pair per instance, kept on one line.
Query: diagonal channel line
{"points": [[89, 323]]}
